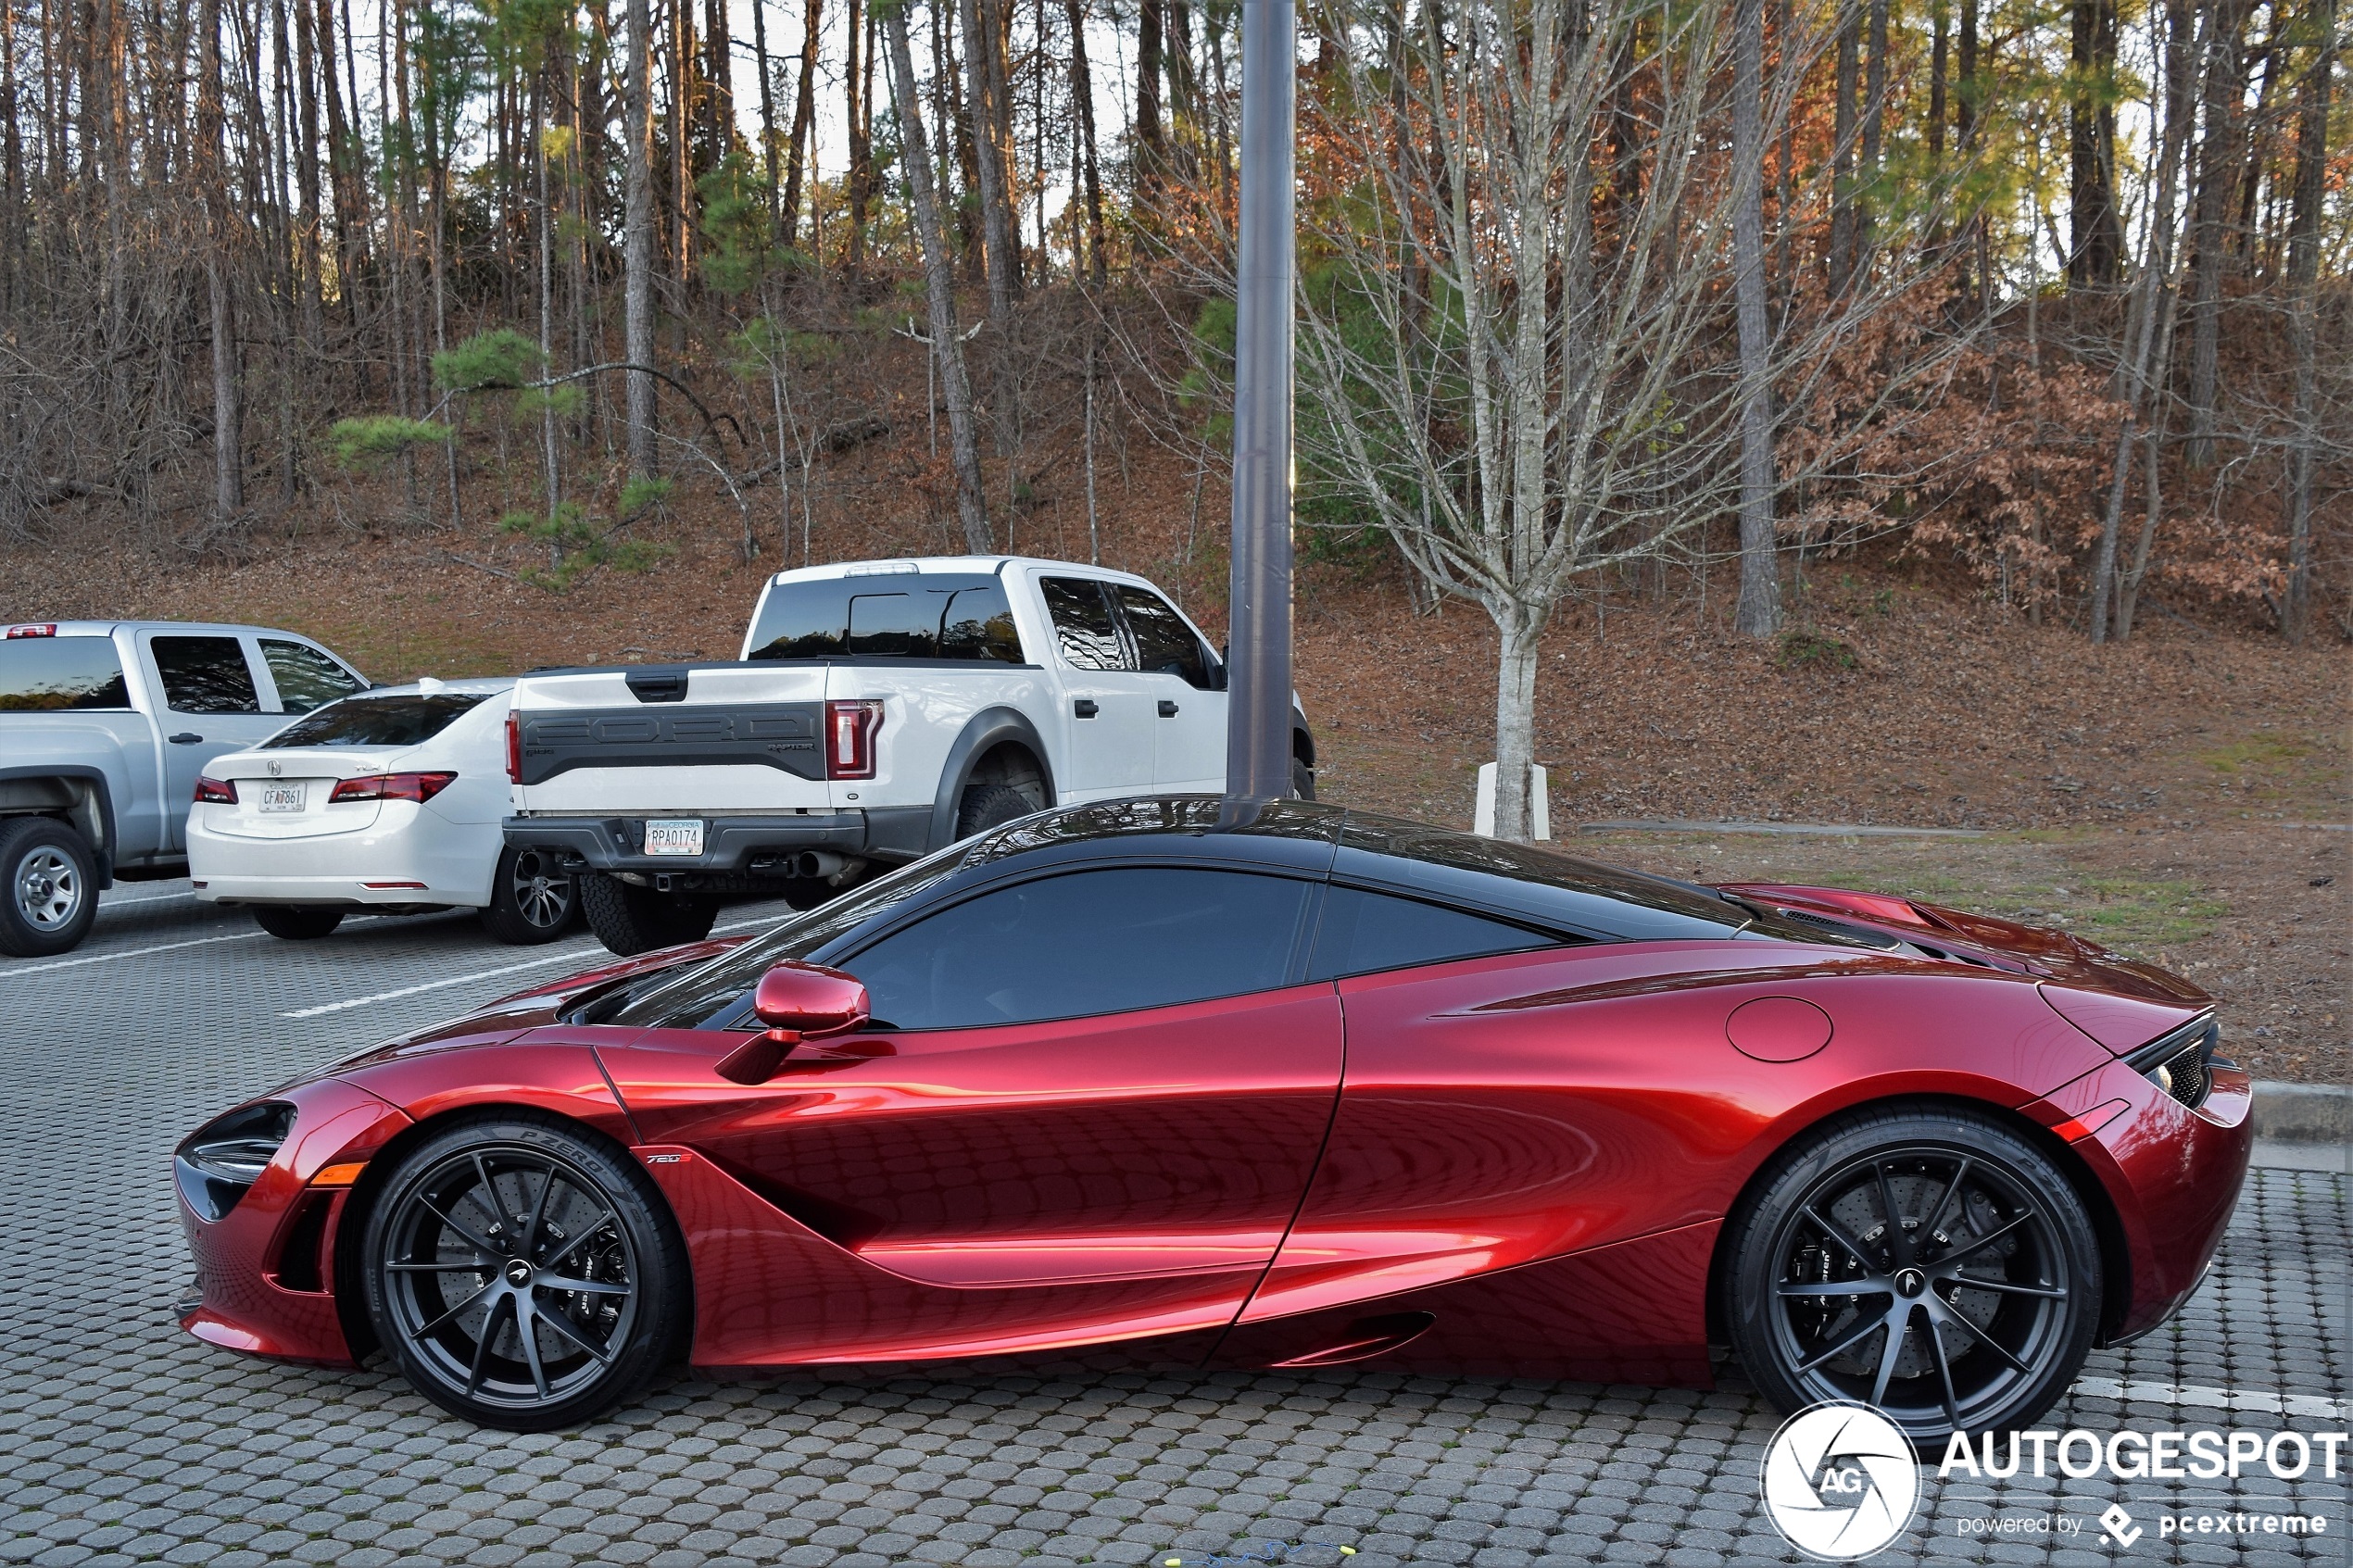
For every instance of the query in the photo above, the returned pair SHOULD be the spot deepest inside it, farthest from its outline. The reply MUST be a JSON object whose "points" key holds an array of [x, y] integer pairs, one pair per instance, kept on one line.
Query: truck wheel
{"points": [[533, 899], [1303, 779], [52, 887], [989, 806], [298, 922], [630, 919]]}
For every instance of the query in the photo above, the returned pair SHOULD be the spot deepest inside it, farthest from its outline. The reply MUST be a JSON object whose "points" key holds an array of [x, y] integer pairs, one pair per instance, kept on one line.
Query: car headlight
{"points": [[221, 1161], [2182, 1062]]}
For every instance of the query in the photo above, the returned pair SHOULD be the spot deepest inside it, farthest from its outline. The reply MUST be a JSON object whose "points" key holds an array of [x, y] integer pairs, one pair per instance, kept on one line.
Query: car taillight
{"points": [[419, 787], [850, 737], [218, 792], [46, 630], [515, 748]]}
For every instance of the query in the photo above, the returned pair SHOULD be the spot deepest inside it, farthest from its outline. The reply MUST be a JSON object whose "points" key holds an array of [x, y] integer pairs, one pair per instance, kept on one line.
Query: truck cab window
{"points": [[1164, 645], [205, 675], [306, 678], [57, 674], [1084, 629]]}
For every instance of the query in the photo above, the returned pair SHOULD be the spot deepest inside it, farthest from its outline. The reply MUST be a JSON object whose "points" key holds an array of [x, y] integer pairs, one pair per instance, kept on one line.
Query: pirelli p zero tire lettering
{"points": [[630, 919], [524, 1273], [1928, 1261]]}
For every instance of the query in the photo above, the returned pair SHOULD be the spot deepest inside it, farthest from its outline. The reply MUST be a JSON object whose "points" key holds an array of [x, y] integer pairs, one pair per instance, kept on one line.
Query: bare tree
{"points": [[1760, 610], [2304, 271], [637, 246]]}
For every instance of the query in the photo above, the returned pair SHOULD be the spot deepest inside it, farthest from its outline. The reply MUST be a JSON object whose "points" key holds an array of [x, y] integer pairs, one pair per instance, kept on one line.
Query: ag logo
{"points": [[1839, 1481]]}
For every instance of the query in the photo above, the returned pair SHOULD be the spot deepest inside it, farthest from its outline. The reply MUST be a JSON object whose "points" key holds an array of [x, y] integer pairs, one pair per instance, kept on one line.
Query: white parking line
{"points": [[157, 898], [130, 953], [324, 1008], [2314, 1405]]}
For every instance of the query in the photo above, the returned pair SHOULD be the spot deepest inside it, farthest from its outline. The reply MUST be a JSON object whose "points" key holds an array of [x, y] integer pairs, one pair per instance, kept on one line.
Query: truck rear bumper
{"points": [[732, 844]]}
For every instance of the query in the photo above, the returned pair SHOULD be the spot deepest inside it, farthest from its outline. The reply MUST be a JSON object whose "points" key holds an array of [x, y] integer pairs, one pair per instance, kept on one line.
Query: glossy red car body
{"points": [[1516, 1165]]}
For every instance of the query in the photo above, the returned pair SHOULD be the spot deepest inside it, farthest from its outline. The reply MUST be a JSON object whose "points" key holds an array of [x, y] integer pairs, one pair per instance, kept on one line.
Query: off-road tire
{"points": [[987, 805], [49, 887], [1303, 779], [298, 922], [457, 1333], [630, 919]]}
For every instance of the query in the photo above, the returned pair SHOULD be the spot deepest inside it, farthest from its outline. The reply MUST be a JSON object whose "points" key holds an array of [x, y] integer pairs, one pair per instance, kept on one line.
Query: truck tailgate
{"points": [[728, 738]]}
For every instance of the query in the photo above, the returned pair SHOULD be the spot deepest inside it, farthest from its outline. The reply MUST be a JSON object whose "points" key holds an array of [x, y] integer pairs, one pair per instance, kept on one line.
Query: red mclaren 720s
{"points": [[1196, 1081]]}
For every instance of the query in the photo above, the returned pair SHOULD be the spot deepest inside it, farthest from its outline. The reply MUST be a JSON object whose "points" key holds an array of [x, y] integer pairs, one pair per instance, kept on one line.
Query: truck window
{"points": [[205, 675], [57, 675], [306, 678], [1164, 645], [900, 616], [1084, 629], [379, 720]]}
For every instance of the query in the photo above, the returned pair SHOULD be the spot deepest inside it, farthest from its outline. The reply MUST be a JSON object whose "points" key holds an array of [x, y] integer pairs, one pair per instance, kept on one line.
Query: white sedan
{"points": [[390, 799]]}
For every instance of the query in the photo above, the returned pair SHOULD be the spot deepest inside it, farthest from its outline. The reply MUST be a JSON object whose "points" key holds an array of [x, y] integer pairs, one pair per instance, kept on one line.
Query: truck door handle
{"points": [[1086, 708], [185, 738], [1167, 708]]}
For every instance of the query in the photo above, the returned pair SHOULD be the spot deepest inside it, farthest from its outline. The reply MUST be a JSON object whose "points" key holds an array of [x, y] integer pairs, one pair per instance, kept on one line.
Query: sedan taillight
{"points": [[419, 787], [217, 792], [851, 728]]}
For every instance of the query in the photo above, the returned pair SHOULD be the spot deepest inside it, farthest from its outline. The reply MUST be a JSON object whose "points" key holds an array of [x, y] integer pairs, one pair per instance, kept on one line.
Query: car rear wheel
{"points": [[524, 1274], [989, 806], [298, 922], [52, 892], [533, 899], [1931, 1263], [630, 919]]}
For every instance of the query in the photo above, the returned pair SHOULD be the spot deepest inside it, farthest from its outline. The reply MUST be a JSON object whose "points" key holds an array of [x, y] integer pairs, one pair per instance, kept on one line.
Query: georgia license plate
{"points": [[674, 836], [285, 797]]}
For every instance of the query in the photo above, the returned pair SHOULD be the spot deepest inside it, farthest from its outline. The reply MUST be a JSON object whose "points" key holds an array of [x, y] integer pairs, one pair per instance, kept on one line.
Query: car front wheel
{"points": [[524, 1273], [52, 892], [1929, 1261]]}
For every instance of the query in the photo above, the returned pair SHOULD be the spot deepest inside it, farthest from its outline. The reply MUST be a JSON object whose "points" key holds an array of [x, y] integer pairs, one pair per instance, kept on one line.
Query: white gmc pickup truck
{"points": [[880, 711]]}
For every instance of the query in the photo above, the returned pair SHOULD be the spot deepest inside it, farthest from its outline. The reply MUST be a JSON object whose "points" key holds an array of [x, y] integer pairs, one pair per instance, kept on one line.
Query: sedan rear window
{"points": [[379, 720], [58, 674]]}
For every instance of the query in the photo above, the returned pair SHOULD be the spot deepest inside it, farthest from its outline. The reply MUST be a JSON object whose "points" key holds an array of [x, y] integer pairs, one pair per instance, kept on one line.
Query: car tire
{"points": [[52, 887], [533, 899], [1997, 1289], [1303, 779], [987, 805], [630, 919], [298, 922], [518, 1207]]}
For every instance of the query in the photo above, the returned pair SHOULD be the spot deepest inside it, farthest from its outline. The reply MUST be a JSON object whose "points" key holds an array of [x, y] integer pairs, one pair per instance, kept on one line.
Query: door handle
{"points": [[184, 738], [1086, 708], [1167, 708]]}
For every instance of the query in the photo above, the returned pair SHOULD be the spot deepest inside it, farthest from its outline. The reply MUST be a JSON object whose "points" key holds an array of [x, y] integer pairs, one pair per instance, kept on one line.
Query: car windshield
{"points": [[684, 1000], [379, 720], [53, 674]]}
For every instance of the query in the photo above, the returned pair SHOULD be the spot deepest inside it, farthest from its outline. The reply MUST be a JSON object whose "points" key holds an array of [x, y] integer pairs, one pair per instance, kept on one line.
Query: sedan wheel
{"points": [[1934, 1265], [533, 899], [524, 1274]]}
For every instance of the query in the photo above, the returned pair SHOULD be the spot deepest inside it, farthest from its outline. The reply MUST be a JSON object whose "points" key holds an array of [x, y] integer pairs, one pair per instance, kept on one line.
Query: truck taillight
{"points": [[850, 737], [418, 787], [515, 748], [215, 792]]}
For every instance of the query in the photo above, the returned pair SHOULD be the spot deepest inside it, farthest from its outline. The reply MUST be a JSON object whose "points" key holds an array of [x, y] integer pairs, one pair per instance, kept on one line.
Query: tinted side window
{"points": [[979, 625], [1164, 645], [1087, 944], [1084, 629], [52, 674], [205, 675], [1364, 932], [306, 678]]}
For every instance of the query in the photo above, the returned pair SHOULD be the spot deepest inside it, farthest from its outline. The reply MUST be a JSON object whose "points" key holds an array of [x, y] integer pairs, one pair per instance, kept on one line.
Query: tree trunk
{"points": [[1843, 238], [939, 276], [1874, 134], [1759, 613], [2302, 270], [2097, 250], [861, 173], [637, 246], [804, 120], [1519, 632], [996, 200], [2216, 183], [767, 104], [1082, 94], [1939, 58], [228, 408], [1151, 157]]}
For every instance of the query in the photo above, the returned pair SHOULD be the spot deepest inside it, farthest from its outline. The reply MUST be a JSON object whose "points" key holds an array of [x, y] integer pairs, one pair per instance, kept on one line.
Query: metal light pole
{"points": [[1258, 710]]}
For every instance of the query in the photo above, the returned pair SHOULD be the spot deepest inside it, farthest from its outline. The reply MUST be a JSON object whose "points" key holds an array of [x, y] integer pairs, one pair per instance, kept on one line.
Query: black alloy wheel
{"points": [[524, 1274], [1929, 1262], [533, 899]]}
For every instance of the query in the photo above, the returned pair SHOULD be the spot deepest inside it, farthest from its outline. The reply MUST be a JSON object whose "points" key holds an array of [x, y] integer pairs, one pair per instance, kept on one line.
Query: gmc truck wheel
{"points": [[630, 919], [52, 891]]}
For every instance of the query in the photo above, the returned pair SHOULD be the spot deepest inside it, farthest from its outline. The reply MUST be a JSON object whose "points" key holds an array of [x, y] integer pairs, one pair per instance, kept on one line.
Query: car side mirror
{"points": [[798, 1001]]}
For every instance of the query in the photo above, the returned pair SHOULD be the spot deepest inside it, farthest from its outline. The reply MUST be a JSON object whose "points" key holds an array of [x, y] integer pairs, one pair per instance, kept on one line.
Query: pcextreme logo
{"points": [[1839, 1481]]}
